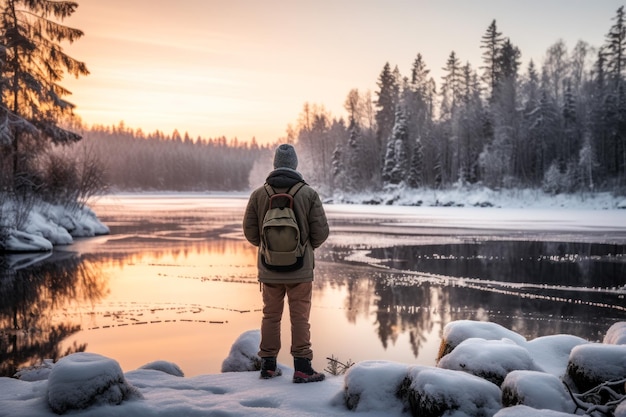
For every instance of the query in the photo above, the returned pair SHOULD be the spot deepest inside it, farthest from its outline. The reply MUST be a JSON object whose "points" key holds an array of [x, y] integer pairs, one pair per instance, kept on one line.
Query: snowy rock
{"points": [[81, 380], [592, 364], [551, 353], [616, 335], [438, 392], [488, 359], [243, 355], [164, 366], [537, 390], [369, 385], [525, 411], [457, 331]]}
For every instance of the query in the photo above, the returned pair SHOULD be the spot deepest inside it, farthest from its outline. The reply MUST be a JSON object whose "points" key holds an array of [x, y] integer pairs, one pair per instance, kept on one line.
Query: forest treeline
{"points": [[133, 160], [559, 125]]}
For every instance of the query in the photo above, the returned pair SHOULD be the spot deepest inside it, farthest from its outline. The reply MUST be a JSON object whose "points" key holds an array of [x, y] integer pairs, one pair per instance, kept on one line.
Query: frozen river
{"points": [[176, 280]]}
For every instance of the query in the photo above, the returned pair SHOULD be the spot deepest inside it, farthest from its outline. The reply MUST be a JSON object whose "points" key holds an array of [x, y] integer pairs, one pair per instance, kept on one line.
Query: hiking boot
{"points": [[269, 368], [303, 372]]}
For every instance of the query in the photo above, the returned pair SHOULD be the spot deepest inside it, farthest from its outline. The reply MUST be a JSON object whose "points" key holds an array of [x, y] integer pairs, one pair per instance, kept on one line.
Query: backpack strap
{"points": [[295, 188], [269, 190]]}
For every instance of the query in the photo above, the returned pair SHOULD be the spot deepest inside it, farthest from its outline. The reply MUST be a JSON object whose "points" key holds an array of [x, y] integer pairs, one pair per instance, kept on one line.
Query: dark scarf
{"points": [[284, 178]]}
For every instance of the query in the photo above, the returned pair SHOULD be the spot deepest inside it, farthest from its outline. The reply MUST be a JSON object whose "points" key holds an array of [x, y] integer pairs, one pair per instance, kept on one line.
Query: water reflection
{"points": [[31, 298], [180, 285]]}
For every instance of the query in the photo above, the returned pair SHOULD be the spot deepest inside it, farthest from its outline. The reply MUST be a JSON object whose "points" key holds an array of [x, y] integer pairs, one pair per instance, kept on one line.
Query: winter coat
{"points": [[311, 221]]}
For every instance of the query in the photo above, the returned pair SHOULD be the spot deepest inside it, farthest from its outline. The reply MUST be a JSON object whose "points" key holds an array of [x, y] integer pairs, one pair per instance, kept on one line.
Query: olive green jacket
{"points": [[311, 221]]}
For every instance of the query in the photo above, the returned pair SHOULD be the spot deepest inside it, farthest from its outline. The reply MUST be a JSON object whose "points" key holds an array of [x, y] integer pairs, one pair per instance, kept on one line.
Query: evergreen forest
{"points": [[558, 125]]}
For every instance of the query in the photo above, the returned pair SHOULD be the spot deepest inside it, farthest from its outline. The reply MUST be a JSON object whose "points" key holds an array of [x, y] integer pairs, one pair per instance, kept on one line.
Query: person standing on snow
{"points": [[297, 284]]}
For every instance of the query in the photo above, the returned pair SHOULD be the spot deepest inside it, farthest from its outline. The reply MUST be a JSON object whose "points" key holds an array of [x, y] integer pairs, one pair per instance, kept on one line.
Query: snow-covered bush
{"points": [[489, 359], [595, 363], [369, 385], [243, 355], [537, 390], [82, 379], [437, 392], [457, 331]]}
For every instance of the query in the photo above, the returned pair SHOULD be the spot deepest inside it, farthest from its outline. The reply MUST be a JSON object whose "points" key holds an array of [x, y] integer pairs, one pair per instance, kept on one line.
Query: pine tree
{"points": [[451, 86], [416, 178], [491, 42], [355, 177], [616, 62], [387, 99], [529, 99], [34, 63], [616, 48], [397, 160]]}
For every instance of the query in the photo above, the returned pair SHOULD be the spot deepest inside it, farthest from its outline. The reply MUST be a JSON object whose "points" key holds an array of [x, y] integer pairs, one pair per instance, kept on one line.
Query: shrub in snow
{"points": [[164, 366], [595, 363], [488, 359], [457, 331], [616, 335], [537, 390], [243, 354], [370, 385], [435, 392], [81, 380]]}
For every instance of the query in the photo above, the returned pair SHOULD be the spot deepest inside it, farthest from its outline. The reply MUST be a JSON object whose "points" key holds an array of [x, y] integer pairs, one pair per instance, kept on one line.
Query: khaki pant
{"points": [[299, 299]]}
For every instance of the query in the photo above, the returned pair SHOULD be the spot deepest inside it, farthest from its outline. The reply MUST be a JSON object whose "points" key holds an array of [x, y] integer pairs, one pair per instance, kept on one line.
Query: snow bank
{"points": [[49, 225], [369, 388], [479, 196]]}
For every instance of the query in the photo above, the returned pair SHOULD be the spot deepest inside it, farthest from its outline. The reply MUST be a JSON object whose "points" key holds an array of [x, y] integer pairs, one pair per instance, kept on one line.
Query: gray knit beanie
{"points": [[285, 157]]}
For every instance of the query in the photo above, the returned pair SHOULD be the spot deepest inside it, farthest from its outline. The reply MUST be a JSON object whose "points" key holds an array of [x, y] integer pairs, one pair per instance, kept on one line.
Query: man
{"points": [[296, 284]]}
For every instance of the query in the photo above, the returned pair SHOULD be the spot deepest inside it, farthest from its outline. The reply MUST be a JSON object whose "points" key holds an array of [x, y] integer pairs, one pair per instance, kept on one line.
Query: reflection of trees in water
{"points": [[402, 309], [418, 305], [122, 252], [31, 298], [398, 309]]}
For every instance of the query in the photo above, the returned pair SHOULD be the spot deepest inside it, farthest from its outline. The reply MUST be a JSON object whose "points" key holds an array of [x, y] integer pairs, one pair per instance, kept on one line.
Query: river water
{"points": [[175, 280]]}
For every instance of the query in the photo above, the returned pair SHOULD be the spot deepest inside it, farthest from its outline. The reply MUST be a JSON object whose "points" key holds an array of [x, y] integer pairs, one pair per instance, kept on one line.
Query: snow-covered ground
{"points": [[88, 384], [484, 197]]}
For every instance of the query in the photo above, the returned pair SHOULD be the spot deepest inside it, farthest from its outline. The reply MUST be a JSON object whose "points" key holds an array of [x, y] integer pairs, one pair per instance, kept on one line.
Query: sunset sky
{"points": [[244, 68]]}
